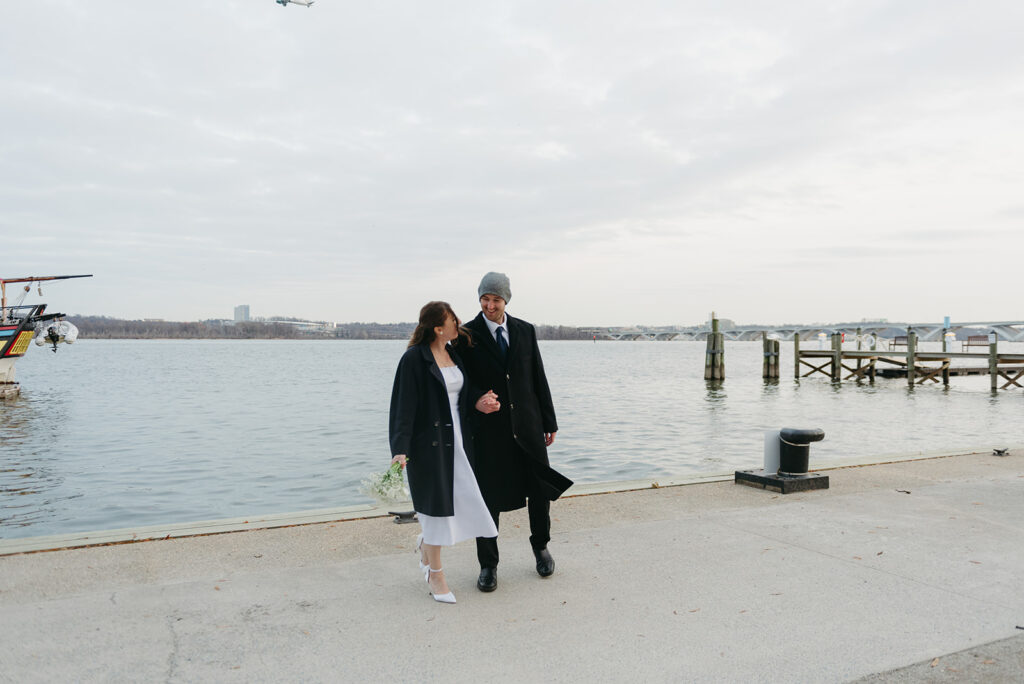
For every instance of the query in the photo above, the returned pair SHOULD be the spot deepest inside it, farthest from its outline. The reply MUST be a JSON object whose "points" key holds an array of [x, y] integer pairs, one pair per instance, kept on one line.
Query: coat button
{"points": [[511, 406], [433, 444], [515, 436], [436, 424]]}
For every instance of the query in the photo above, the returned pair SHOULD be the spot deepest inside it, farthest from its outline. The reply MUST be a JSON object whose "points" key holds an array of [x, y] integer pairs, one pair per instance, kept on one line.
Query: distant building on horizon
{"points": [[241, 313]]}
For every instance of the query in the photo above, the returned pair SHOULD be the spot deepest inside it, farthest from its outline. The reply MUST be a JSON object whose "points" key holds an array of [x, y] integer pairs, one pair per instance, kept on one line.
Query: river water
{"points": [[124, 433]]}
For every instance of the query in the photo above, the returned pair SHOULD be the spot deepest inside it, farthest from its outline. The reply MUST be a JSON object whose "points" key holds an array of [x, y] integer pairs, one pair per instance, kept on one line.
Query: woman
{"points": [[430, 437]]}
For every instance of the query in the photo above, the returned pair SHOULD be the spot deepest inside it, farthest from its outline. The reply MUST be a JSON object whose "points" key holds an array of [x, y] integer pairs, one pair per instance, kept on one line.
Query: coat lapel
{"points": [[484, 337], [513, 340], [428, 356]]}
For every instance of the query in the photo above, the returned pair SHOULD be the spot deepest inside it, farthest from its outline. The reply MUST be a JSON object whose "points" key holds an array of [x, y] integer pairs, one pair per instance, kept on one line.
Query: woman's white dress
{"points": [[471, 519]]}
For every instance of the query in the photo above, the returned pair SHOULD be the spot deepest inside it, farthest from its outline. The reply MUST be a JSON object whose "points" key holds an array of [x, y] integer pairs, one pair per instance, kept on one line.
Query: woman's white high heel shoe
{"points": [[440, 598]]}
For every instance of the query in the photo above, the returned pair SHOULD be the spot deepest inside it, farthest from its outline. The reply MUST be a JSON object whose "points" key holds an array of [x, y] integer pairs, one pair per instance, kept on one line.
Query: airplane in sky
{"points": [[304, 3]]}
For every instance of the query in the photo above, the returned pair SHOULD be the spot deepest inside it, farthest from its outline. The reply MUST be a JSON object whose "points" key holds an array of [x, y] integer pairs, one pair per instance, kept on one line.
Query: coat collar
{"points": [[428, 358], [484, 337]]}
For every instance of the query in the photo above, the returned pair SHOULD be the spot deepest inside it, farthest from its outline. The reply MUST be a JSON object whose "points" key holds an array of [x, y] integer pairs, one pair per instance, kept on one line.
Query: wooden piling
{"points": [[911, 355], [946, 363], [837, 357], [709, 354], [796, 355], [993, 360], [766, 363], [720, 356], [770, 366], [714, 359], [858, 349]]}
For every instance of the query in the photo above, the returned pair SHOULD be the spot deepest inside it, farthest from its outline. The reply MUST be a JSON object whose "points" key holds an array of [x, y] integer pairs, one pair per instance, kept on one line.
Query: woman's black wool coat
{"points": [[421, 427]]}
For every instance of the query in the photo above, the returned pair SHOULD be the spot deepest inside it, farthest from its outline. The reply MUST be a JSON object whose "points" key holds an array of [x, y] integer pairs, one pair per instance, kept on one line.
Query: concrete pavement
{"points": [[894, 566]]}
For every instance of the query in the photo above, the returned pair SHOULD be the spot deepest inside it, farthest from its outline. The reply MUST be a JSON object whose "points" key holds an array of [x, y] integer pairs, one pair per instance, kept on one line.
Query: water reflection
{"points": [[715, 394], [29, 472], [13, 421]]}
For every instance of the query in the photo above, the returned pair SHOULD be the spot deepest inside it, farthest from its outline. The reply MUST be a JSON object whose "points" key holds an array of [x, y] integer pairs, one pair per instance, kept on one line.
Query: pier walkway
{"points": [[905, 571]]}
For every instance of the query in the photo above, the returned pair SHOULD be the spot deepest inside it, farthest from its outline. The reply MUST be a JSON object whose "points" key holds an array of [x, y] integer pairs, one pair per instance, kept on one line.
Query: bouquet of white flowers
{"points": [[389, 486]]}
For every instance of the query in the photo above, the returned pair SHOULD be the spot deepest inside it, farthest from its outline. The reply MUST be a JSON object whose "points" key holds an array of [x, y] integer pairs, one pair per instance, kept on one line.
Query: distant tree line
{"points": [[104, 327], [403, 331], [560, 332], [373, 331]]}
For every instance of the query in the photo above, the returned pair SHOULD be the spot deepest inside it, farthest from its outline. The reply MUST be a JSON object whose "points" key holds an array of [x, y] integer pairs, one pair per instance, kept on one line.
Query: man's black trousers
{"points": [[539, 509]]}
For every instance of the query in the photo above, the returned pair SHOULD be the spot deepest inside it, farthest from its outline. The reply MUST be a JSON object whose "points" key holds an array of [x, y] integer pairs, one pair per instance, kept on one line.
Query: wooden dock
{"points": [[899, 370], [916, 366]]}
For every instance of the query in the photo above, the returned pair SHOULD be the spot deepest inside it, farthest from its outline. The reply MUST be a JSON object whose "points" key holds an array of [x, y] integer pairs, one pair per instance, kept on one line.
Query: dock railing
{"points": [[918, 366]]}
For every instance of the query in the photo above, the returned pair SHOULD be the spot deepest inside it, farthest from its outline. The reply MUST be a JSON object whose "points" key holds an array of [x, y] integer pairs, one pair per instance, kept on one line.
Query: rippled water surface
{"points": [[124, 433]]}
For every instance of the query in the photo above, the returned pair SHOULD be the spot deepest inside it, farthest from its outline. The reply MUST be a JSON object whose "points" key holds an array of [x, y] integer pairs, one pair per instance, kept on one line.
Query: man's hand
{"points": [[549, 438], [399, 458], [488, 403]]}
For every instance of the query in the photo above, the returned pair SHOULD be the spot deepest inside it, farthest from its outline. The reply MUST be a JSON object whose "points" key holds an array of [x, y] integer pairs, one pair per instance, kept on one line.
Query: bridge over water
{"points": [[1011, 331]]}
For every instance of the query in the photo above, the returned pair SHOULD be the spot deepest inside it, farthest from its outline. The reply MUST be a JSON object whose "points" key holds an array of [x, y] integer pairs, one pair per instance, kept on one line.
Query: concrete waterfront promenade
{"points": [[916, 564]]}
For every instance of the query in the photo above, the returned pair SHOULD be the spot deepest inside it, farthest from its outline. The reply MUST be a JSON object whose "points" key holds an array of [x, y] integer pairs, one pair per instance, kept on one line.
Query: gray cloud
{"points": [[197, 155]]}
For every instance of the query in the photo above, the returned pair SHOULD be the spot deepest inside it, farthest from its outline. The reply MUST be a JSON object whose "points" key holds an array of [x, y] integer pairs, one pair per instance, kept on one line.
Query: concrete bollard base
{"points": [[781, 483]]}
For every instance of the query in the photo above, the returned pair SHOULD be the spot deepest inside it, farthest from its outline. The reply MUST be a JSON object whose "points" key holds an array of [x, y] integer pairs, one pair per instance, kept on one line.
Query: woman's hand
{"points": [[399, 458], [488, 403]]}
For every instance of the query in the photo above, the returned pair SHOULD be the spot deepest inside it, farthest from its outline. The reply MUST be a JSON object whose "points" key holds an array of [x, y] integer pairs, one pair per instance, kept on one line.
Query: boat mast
{"points": [[33, 279]]}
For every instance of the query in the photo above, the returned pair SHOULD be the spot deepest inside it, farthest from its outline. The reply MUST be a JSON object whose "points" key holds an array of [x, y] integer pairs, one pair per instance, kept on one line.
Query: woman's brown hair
{"points": [[433, 315]]}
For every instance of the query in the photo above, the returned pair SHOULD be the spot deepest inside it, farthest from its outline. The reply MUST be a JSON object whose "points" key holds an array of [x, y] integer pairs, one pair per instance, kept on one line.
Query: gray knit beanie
{"points": [[495, 284]]}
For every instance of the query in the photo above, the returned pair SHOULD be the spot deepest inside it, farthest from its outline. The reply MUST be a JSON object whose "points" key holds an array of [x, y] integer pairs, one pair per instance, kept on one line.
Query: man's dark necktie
{"points": [[502, 342]]}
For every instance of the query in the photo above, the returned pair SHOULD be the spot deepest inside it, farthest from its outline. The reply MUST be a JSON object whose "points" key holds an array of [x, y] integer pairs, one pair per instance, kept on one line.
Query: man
{"points": [[512, 461]]}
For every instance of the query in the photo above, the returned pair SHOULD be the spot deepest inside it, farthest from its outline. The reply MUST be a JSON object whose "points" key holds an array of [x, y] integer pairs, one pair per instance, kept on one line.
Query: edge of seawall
{"points": [[75, 540]]}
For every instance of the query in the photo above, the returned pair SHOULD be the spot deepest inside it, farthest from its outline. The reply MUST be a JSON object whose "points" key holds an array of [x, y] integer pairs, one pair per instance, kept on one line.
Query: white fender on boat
{"points": [[66, 332]]}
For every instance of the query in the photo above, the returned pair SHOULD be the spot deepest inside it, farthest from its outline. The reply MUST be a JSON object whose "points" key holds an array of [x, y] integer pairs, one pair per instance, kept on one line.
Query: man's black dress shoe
{"points": [[488, 580], [545, 563]]}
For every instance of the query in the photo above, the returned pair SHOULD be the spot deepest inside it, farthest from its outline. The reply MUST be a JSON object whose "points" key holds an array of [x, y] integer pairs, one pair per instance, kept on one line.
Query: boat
{"points": [[20, 323]]}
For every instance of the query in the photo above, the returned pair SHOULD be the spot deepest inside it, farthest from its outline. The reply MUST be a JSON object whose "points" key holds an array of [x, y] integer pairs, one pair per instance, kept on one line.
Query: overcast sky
{"points": [[623, 162]]}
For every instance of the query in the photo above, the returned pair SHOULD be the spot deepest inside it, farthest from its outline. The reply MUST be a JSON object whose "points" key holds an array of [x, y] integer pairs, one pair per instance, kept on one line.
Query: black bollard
{"points": [[795, 449], [794, 459]]}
